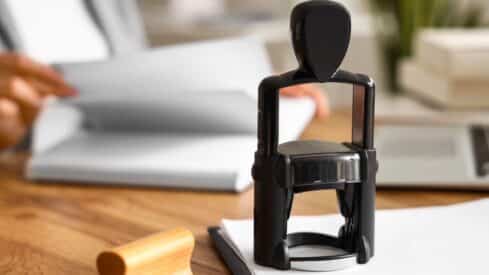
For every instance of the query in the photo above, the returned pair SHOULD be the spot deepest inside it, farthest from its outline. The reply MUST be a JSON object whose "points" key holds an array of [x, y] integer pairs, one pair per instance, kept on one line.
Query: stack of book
{"points": [[450, 68]]}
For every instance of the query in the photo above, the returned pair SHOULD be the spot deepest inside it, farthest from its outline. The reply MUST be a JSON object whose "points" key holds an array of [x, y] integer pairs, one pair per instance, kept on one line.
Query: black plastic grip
{"points": [[273, 198]]}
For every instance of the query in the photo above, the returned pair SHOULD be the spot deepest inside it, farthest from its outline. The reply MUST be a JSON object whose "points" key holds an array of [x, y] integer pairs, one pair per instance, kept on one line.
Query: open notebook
{"points": [[448, 240], [181, 116]]}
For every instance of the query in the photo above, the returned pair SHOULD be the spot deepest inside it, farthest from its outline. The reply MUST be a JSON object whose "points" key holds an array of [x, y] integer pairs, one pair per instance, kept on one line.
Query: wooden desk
{"points": [[60, 228]]}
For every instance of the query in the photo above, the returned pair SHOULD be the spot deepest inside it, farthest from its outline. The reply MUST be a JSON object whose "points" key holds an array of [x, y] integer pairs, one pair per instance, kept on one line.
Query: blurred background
{"points": [[429, 59], [83, 100], [383, 31]]}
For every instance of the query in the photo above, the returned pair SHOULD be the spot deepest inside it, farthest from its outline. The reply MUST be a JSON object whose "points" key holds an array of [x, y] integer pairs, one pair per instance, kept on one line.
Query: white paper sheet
{"points": [[450, 240], [207, 86], [226, 65]]}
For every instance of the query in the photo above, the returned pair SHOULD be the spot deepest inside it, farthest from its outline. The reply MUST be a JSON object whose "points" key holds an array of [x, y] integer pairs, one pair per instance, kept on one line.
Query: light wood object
{"points": [[166, 253], [55, 228]]}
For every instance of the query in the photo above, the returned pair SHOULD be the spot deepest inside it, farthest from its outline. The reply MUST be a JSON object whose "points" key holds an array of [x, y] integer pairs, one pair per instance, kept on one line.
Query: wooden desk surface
{"points": [[60, 228]]}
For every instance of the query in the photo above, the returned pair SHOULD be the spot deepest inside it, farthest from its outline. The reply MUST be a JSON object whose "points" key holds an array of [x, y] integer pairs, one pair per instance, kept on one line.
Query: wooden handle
{"points": [[167, 253]]}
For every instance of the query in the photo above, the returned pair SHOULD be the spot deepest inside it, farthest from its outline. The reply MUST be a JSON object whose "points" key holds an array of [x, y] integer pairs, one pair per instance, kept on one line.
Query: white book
{"points": [[441, 90], [181, 116], [446, 240], [461, 54]]}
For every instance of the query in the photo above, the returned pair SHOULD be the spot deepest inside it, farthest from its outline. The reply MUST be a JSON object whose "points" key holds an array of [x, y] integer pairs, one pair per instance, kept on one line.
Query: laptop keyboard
{"points": [[480, 147]]}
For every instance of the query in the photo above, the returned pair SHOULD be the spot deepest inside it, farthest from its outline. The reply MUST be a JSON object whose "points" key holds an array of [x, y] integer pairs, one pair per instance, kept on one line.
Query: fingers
{"points": [[46, 89], [42, 88], [312, 91], [12, 127], [292, 91], [23, 66], [24, 95]]}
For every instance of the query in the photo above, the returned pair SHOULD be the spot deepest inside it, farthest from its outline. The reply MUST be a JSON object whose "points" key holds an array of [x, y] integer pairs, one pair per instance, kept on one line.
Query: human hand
{"points": [[24, 84], [312, 91]]}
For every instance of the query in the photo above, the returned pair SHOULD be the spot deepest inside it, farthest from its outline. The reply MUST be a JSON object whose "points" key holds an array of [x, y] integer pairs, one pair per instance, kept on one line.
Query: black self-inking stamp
{"points": [[320, 36]]}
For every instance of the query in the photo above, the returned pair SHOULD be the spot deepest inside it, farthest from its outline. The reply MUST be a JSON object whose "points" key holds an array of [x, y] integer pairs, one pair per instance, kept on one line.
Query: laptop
{"points": [[433, 156]]}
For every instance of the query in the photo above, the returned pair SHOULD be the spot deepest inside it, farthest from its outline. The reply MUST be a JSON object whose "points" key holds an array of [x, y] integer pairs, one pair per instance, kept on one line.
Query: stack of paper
{"points": [[449, 68], [449, 240]]}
